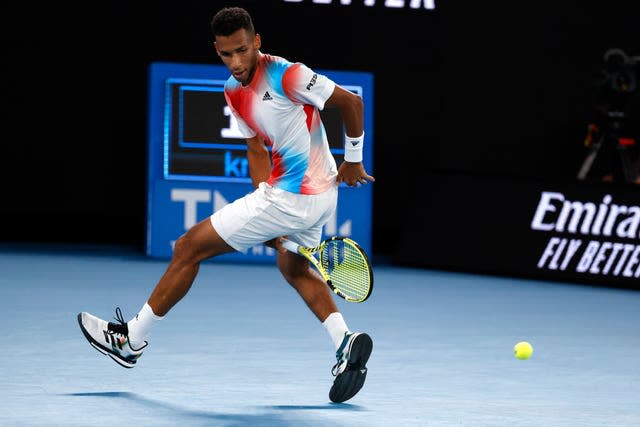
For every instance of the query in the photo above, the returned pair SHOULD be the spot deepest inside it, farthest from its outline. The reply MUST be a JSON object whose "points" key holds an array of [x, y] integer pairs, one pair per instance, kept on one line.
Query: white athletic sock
{"points": [[335, 325], [140, 325]]}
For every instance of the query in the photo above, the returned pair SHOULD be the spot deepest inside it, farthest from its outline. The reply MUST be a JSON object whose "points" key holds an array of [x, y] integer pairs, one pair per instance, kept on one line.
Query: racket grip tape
{"points": [[290, 246]]}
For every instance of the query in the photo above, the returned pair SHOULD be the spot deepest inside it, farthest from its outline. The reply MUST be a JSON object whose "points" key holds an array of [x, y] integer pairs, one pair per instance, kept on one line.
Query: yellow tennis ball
{"points": [[523, 350]]}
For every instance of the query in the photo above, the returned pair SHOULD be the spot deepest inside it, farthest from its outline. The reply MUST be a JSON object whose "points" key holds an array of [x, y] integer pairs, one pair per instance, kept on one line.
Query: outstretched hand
{"points": [[353, 174]]}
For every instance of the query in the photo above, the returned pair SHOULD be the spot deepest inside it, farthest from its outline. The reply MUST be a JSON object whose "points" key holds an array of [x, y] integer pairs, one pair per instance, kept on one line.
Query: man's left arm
{"points": [[351, 107]]}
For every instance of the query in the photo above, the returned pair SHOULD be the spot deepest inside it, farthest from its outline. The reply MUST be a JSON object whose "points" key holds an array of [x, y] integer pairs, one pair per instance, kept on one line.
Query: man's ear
{"points": [[215, 46], [257, 41]]}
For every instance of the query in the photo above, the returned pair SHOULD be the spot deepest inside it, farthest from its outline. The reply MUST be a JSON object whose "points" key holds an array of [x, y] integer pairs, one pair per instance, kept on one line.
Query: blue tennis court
{"points": [[241, 349]]}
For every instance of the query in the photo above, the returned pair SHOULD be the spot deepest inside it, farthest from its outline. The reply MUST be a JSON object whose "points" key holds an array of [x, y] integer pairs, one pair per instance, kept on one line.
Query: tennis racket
{"points": [[343, 264]]}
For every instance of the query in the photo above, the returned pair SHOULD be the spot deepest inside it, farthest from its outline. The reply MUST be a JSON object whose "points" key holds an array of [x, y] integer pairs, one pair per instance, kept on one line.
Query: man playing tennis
{"points": [[276, 103]]}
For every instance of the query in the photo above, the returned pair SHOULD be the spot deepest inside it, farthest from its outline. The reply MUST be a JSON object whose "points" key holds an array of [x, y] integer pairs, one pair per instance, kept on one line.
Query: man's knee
{"points": [[199, 243], [184, 248]]}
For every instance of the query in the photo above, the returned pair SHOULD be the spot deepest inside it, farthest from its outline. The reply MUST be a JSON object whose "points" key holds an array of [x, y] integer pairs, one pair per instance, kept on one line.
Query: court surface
{"points": [[241, 349]]}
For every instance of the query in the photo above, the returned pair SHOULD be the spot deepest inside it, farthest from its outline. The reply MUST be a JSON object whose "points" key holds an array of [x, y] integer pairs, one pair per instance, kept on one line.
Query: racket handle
{"points": [[290, 246]]}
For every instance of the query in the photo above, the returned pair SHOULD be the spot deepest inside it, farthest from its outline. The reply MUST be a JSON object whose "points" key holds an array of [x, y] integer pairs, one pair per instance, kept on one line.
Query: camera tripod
{"points": [[618, 154], [609, 139]]}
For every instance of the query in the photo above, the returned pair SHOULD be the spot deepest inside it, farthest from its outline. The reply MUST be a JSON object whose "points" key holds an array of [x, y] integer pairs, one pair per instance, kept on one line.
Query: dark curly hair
{"points": [[231, 19]]}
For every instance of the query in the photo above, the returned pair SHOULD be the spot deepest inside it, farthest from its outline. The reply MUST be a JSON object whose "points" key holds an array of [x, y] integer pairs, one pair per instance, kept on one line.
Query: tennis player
{"points": [[276, 103]]}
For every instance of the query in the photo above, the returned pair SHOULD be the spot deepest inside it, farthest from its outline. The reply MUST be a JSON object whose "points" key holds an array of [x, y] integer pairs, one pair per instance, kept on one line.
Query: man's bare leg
{"points": [[124, 341], [202, 241], [352, 348], [315, 293], [308, 283]]}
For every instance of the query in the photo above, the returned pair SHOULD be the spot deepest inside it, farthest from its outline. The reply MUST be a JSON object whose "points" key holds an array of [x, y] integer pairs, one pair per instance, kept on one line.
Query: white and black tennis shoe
{"points": [[111, 339], [350, 370]]}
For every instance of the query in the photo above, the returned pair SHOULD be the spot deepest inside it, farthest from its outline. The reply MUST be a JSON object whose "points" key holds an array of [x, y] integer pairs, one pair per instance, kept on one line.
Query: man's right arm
{"points": [[259, 160]]}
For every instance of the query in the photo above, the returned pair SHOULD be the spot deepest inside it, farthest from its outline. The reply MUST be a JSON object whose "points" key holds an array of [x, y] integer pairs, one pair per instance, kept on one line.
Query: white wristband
{"points": [[353, 148]]}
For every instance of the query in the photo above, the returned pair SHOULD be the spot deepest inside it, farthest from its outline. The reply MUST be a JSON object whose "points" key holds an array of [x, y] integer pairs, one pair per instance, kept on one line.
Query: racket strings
{"points": [[348, 269]]}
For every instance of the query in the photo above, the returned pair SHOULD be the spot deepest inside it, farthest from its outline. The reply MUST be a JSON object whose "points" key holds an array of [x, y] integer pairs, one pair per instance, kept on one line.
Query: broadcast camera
{"points": [[610, 135]]}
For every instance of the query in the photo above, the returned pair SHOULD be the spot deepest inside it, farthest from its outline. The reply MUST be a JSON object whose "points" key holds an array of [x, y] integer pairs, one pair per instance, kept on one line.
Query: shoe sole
{"points": [[348, 383], [102, 349]]}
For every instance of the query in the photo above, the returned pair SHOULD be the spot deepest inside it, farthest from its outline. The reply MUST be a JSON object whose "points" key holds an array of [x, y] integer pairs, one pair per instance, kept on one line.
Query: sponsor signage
{"points": [[595, 236], [388, 4], [567, 231]]}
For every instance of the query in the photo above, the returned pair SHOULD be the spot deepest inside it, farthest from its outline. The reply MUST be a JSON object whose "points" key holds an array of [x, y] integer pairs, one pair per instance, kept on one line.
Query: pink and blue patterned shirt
{"points": [[282, 105]]}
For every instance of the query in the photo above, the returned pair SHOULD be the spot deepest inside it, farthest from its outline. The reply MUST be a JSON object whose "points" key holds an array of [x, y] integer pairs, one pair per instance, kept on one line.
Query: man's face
{"points": [[239, 52]]}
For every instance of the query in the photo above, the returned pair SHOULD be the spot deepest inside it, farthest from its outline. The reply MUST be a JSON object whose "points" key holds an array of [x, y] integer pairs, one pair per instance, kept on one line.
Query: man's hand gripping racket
{"points": [[343, 264]]}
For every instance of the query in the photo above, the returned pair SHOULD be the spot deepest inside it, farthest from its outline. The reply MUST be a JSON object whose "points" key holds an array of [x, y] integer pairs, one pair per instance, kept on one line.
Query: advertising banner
{"points": [[567, 231]]}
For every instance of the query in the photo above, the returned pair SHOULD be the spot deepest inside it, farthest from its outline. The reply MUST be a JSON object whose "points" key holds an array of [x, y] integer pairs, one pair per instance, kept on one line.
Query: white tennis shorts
{"points": [[271, 212]]}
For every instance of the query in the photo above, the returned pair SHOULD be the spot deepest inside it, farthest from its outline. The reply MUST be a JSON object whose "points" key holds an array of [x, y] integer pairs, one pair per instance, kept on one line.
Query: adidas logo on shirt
{"points": [[267, 97]]}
